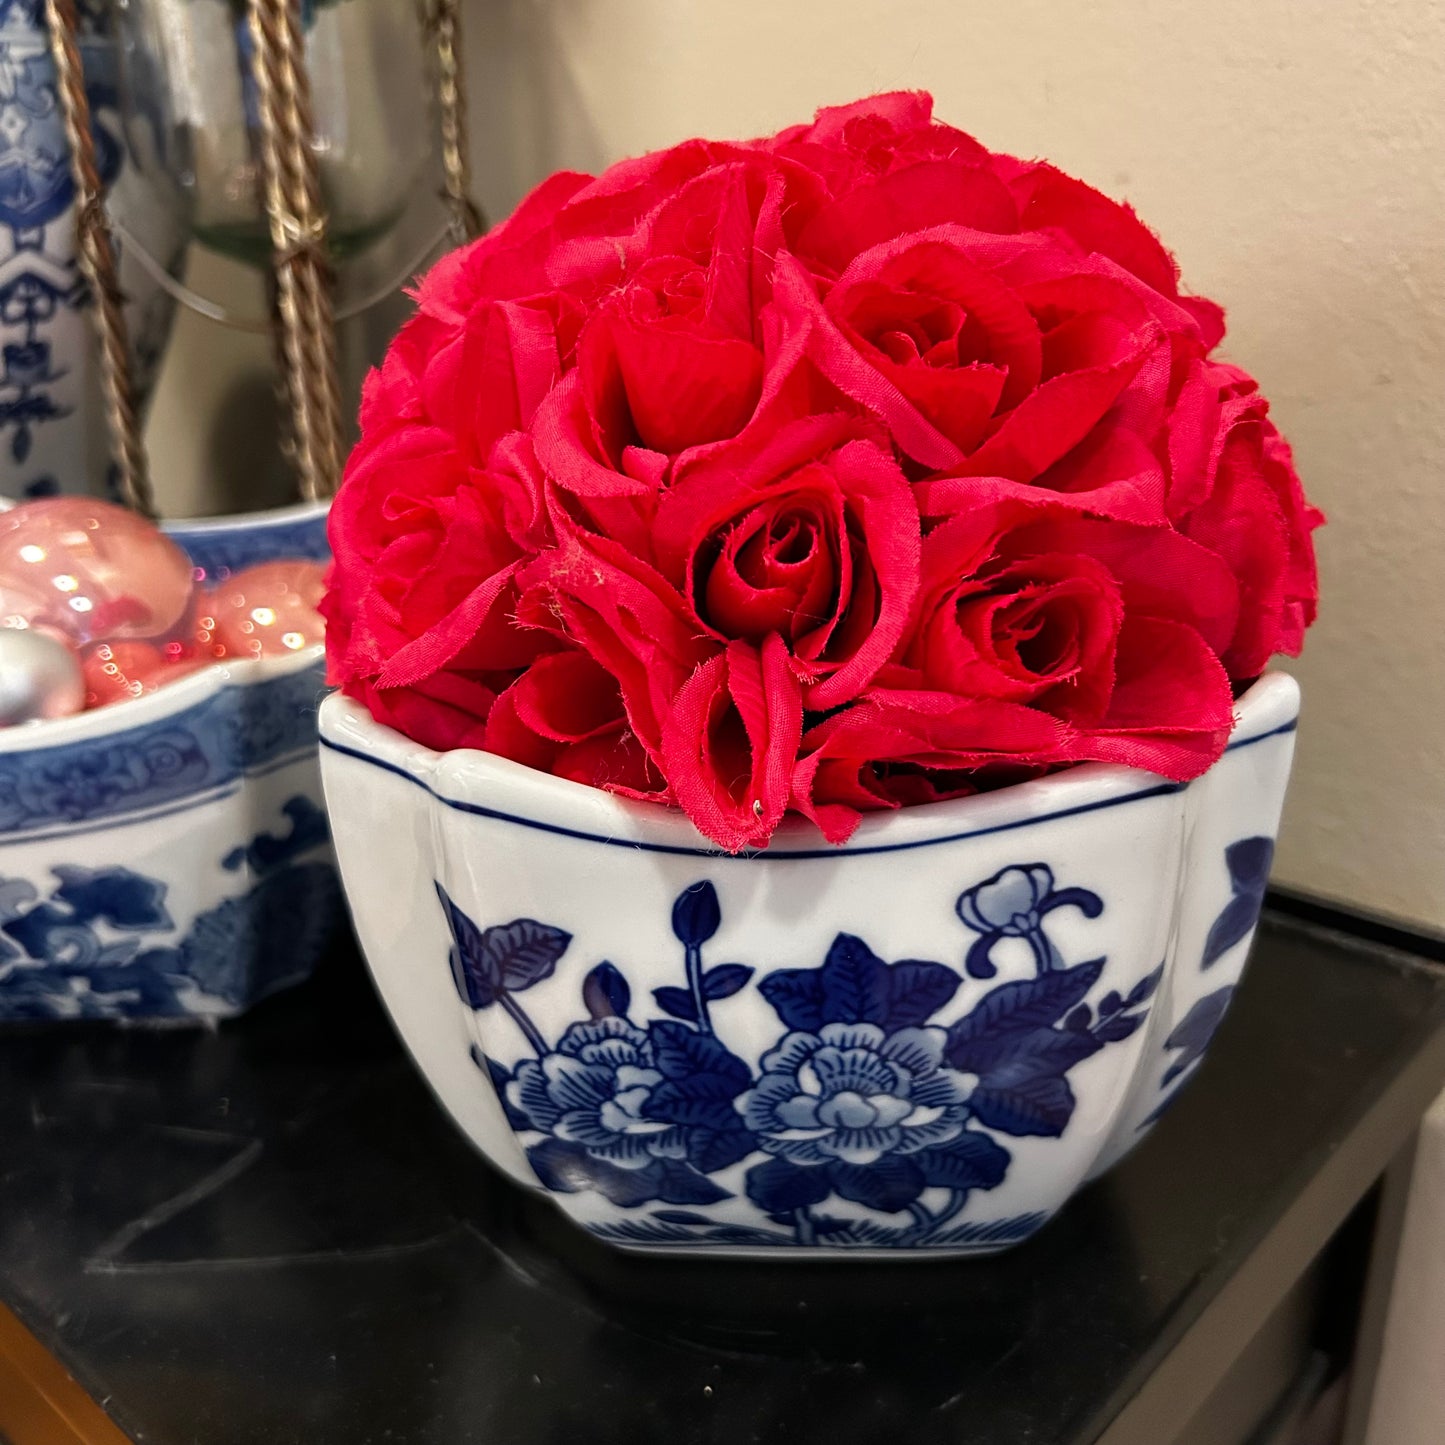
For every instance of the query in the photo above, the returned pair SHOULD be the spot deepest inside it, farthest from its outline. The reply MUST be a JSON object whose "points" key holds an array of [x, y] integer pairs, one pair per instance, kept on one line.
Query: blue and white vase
{"points": [[52, 422]]}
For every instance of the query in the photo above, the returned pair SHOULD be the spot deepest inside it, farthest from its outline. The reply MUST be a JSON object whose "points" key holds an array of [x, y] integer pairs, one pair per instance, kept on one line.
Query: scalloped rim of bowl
{"points": [[247, 521], [175, 697], [479, 782]]}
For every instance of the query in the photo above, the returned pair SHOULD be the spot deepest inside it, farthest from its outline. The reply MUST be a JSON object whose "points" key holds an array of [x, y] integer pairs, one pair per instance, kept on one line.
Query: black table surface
{"points": [[270, 1234]]}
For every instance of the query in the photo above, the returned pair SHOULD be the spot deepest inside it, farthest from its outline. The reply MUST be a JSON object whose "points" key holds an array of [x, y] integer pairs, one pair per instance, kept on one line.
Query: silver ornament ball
{"points": [[39, 677]]}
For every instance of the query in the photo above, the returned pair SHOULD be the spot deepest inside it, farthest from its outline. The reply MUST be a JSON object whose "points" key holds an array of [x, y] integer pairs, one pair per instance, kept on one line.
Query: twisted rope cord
{"points": [[298, 240], [97, 261], [443, 21]]}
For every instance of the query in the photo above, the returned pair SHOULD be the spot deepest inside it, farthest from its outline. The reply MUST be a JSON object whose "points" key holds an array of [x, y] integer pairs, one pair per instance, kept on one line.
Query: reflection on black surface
{"points": [[269, 1234]]}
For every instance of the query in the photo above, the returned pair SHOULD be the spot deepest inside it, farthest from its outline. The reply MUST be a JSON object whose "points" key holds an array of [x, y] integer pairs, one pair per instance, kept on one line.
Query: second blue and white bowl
{"points": [[168, 859]]}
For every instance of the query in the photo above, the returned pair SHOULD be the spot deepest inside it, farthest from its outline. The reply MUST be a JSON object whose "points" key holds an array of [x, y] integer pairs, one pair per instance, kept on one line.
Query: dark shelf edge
{"points": [[1363, 924]]}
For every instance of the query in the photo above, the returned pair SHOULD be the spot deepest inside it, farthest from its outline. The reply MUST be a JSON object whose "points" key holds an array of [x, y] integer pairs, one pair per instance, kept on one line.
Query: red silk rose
{"points": [[851, 468]]}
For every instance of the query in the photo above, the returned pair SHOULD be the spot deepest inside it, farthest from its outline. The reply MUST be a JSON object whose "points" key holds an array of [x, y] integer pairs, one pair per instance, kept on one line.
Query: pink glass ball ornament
{"points": [[40, 677], [269, 610], [119, 671], [23, 605], [102, 571]]}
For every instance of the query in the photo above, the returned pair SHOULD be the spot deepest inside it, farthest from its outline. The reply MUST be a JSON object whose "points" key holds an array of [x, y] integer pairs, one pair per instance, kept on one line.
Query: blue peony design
{"points": [[855, 1094], [595, 1091], [865, 1098]]}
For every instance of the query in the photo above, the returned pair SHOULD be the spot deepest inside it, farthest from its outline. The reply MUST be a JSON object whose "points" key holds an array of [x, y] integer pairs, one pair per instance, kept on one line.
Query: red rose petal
{"points": [[729, 743], [839, 770], [1172, 707], [927, 193]]}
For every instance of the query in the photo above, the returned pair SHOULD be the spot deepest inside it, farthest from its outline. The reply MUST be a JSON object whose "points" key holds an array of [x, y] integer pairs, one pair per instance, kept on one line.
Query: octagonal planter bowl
{"points": [[168, 859], [923, 1041]]}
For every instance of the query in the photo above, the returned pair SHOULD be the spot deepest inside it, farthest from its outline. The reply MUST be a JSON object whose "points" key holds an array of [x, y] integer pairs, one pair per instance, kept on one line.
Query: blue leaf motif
{"points": [[1195, 1031], [972, 1161], [523, 952], [605, 992], [1145, 989], [796, 996], [890, 1184], [917, 990], [1232, 926], [568, 1168], [1248, 862], [704, 1101], [1020, 1007], [696, 915], [680, 1183], [676, 1001], [1117, 1027], [474, 972], [698, 1063], [1033, 1106], [854, 983], [779, 1187], [725, 980], [714, 1149], [1040, 1051], [114, 895]]}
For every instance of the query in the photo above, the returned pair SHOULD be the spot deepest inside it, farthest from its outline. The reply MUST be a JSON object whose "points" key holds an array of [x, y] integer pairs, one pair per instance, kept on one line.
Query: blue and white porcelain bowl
{"points": [[924, 1040], [169, 858]]}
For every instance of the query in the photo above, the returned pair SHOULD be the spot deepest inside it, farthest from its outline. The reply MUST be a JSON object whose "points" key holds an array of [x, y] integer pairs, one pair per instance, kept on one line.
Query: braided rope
{"points": [[97, 261], [298, 240], [443, 22]]}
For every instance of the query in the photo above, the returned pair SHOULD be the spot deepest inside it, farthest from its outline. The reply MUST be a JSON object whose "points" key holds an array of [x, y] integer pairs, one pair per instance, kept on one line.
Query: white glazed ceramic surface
{"points": [[925, 1040], [169, 858]]}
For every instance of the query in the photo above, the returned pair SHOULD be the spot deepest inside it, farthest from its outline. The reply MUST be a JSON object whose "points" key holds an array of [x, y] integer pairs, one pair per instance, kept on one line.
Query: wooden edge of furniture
{"points": [[40, 1402]]}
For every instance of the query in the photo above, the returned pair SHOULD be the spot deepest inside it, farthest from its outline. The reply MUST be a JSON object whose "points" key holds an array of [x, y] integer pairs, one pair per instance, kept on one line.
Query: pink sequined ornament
{"points": [[269, 610], [117, 671], [102, 571]]}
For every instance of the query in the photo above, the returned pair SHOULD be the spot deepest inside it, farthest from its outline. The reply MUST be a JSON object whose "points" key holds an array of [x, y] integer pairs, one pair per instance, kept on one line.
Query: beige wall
{"points": [[1293, 154]]}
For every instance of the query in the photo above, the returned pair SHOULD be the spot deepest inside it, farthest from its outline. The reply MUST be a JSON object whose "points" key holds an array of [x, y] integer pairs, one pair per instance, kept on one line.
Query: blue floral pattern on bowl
{"points": [[874, 1093], [921, 1043], [102, 944]]}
